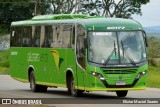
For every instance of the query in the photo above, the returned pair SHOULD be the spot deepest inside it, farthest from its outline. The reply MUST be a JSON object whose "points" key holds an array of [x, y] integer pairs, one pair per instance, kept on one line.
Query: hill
{"points": [[153, 31]]}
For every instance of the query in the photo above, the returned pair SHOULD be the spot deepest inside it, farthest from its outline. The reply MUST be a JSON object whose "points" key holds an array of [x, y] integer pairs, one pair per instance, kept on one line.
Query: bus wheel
{"points": [[121, 93], [34, 87], [74, 92]]}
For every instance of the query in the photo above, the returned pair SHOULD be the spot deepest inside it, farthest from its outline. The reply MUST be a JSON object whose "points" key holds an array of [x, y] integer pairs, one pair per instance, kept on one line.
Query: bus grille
{"points": [[126, 71]]}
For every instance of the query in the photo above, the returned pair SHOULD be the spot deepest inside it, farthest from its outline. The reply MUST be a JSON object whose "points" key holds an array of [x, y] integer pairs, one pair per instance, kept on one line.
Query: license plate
{"points": [[120, 83]]}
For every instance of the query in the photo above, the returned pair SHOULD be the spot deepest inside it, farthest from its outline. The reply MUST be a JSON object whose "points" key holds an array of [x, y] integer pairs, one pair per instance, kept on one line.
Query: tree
{"points": [[14, 10], [63, 6], [17, 10], [153, 50], [41, 7], [113, 8]]}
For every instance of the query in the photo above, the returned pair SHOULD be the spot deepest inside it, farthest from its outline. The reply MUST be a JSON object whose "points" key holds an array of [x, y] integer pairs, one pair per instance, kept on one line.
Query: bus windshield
{"points": [[116, 47]]}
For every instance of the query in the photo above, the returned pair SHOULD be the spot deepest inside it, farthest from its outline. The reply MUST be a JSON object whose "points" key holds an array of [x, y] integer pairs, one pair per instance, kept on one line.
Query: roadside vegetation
{"points": [[153, 52], [4, 62], [4, 70], [154, 77]]}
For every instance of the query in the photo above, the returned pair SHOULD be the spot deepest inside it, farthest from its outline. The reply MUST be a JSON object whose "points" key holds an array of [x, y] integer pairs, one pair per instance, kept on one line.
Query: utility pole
{"points": [[35, 8], [78, 6]]}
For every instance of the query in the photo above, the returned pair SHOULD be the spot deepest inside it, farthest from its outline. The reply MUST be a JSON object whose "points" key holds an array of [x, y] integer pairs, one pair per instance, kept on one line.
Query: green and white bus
{"points": [[79, 52]]}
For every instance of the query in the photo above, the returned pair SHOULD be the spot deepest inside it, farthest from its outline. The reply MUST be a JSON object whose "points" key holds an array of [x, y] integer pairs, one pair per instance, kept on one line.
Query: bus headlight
{"points": [[98, 75], [141, 74]]}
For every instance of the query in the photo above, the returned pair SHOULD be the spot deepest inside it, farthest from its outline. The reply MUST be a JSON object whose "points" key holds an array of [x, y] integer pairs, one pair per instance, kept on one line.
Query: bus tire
{"points": [[74, 92], [121, 93], [34, 87]]}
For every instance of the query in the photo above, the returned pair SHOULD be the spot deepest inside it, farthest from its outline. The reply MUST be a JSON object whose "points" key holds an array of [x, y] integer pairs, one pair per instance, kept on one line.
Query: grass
{"points": [[4, 58], [4, 62], [154, 77], [4, 70]]}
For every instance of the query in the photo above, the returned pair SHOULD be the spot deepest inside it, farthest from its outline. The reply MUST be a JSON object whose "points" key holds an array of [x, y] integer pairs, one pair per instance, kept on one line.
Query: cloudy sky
{"points": [[150, 14]]}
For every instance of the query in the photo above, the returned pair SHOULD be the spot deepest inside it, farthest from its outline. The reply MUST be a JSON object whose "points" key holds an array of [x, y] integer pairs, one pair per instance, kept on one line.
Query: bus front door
{"points": [[81, 64]]}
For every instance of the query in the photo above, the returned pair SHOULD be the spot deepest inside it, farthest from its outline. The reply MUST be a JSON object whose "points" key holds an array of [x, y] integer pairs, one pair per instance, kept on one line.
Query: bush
{"points": [[153, 77], [152, 62], [4, 58]]}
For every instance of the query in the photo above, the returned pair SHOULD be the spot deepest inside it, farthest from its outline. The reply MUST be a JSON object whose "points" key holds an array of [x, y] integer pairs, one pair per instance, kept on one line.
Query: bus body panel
{"points": [[51, 64]]}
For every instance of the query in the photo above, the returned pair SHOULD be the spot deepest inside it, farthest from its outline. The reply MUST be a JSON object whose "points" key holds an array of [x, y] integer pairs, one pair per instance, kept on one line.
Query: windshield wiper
{"points": [[127, 54], [109, 57]]}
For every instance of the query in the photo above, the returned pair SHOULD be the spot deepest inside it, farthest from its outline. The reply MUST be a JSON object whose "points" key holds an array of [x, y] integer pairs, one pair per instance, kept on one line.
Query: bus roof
{"points": [[89, 22]]}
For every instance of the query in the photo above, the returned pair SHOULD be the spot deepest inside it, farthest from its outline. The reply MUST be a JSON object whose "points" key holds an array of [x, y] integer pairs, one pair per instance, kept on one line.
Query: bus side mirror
{"points": [[85, 43], [146, 41], [145, 38]]}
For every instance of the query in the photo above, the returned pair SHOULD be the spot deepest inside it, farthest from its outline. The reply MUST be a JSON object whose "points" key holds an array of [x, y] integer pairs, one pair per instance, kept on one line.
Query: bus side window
{"points": [[13, 33], [26, 37], [55, 33], [16, 38], [73, 37], [48, 36], [60, 37], [36, 38], [42, 36], [32, 38], [67, 31], [53, 36], [80, 47], [57, 37]]}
